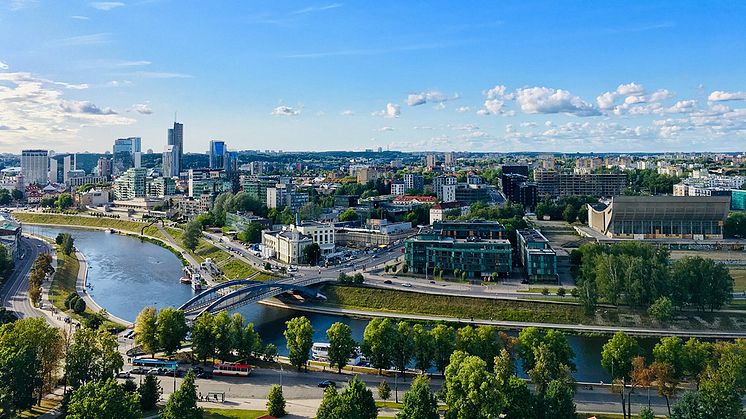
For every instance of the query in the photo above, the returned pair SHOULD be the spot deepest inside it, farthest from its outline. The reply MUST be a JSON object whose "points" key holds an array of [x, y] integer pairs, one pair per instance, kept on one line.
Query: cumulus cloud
{"points": [[494, 106], [499, 92], [462, 109], [630, 89], [285, 111], [606, 100], [141, 108], [431, 96], [721, 96], [683, 106], [35, 109], [544, 100], [660, 95], [392, 111], [106, 5], [347, 113]]}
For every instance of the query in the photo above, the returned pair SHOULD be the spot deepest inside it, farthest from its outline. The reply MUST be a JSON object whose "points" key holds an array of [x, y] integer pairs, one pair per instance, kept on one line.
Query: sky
{"points": [[500, 76]]}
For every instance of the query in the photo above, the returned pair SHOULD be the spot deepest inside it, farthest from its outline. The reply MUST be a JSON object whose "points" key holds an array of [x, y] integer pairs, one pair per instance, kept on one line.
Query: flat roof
{"points": [[533, 235]]}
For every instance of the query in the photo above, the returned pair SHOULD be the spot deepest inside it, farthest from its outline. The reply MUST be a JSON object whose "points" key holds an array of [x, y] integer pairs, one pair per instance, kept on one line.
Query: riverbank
{"points": [[363, 302], [232, 267]]}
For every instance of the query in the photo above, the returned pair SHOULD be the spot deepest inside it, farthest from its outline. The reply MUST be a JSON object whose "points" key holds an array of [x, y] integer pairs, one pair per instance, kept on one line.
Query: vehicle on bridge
{"points": [[232, 370]]}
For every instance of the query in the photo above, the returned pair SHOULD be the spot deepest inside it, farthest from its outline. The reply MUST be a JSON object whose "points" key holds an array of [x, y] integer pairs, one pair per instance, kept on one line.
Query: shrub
{"points": [[545, 291], [79, 307], [561, 292]]}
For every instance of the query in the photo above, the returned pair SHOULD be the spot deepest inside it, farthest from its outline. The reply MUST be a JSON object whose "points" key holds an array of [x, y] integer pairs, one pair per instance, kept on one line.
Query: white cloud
{"points": [[142, 108], [285, 111], [544, 100], [119, 83], [384, 129], [494, 106], [683, 106], [106, 5], [498, 92], [462, 109], [22, 4], [431, 96], [312, 9], [660, 95], [39, 111], [483, 112], [347, 113], [81, 40], [528, 124], [721, 96], [392, 111], [79, 17], [606, 100], [630, 89]]}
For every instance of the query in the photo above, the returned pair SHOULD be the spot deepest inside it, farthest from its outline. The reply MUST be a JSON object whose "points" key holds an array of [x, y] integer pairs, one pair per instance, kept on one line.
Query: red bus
{"points": [[237, 370]]}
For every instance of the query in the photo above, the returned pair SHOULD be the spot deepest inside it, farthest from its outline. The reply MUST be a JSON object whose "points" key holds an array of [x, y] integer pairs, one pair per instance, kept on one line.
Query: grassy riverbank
{"points": [[232, 267], [407, 302]]}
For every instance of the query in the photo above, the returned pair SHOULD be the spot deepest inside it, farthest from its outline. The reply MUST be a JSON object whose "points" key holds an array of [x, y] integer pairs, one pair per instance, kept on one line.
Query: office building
{"points": [[284, 195], [176, 139], [217, 154], [205, 181], [397, 188], [161, 187], [519, 190], [285, 246], [126, 154], [103, 167], [321, 234], [170, 161], [257, 188], [469, 194], [414, 181], [650, 217], [481, 229], [34, 166], [130, 185], [519, 169], [86, 161], [553, 184], [537, 258], [476, 257]]}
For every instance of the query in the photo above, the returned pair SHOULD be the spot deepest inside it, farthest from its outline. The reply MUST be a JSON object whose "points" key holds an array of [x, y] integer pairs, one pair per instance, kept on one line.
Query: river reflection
{"points": [[127, 275]]}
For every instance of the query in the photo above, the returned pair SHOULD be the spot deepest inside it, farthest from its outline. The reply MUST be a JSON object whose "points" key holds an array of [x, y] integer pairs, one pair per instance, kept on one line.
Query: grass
{"points": [[364, 298], [739, 279], [73, 220], [233, 414], [47, 405], [63, 284]]}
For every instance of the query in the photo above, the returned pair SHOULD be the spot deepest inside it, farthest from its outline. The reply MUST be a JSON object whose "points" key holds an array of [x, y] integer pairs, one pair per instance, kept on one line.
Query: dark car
{"points": [[206, 375], [327, 383], [139, 370], [388, 281]]}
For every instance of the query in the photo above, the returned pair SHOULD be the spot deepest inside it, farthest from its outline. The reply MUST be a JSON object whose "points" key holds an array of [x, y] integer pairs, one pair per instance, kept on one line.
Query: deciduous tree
{"points": [[341, 345], [299, 336]]}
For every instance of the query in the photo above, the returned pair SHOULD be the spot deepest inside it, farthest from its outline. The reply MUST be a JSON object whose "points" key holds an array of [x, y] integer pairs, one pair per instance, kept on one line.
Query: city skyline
{"points": [[336, 76]]}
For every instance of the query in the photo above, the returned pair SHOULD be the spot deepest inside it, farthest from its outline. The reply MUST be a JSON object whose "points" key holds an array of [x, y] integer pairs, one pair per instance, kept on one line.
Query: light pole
{"points": [[281, 370]]}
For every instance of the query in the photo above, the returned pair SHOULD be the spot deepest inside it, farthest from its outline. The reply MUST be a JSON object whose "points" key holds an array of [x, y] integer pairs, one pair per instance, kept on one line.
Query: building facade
{"points": [[130, 185], [555, 184], [414, 181], [285, 246], [538, 259], [478, 258], [34, 166], [481, 229]]}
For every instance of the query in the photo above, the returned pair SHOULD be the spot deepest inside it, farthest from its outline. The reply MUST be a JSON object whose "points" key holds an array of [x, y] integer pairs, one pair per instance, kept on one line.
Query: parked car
{"points": [[124, 374], [154, 371], [327, 383], [206, 375], [139, 370]]}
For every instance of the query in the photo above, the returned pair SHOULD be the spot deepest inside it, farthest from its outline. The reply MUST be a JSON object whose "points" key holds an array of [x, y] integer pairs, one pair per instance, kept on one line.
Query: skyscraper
{"points": [[171, 161], [34, 166], [217, 154], [126, 154], [176, 139]]}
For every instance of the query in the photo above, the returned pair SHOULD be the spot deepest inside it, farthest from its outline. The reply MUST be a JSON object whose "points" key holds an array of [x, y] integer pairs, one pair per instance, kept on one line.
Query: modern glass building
{"points": [[537, 257], [482, 229], [478, 258], [738, 200], [217, 154]]}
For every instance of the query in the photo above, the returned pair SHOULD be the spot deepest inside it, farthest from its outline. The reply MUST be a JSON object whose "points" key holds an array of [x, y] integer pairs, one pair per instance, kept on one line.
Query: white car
{"points": [[124, 374], [406, 284]]}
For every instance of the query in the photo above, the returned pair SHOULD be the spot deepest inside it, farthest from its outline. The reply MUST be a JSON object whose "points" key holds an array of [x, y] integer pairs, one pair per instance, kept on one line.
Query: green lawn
{"points": [[739, 279], [233, 414], [364, 298], [73, 220]]}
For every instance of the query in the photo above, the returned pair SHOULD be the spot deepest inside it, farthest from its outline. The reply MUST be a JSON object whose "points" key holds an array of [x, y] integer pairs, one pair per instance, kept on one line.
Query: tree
{"points": [[662, 309], [251, 234], [223, 335], [146, 330], [182, 404], [531, 338], [701, 283], [646, 413], [570, 214], [617, 354], [696, 355], [249, 342], [735, 225], [276, 402], [92, 356], [68, 244], [666, 382], [687, 407], [357, 401], [519, 402], [423, 348], [384, 391], [444, 343], [419, 402], [103, 399], [719, 396], [469, 390], [16, 194], [341, 345], [670, 350], [172, 329], [192, 234], [348, 215], [403, 346], [547, 368], [80, 306], [312, 254], [64, 201], [203, 342], [482, 341], [558, 401], [299, 336], [378, 340], [330, 405], [150, 392]]}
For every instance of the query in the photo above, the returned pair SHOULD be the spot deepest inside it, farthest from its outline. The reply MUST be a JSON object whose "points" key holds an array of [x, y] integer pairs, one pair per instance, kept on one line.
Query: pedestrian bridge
{"points": [[231, 294]]}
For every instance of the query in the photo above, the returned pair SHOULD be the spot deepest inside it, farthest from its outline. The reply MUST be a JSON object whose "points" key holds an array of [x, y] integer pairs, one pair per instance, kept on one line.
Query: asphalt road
{"points": [[14, 293]]}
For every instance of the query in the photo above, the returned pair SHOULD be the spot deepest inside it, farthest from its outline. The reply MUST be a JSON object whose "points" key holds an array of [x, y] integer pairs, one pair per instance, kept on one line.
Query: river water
{"points": [[126, 274]]}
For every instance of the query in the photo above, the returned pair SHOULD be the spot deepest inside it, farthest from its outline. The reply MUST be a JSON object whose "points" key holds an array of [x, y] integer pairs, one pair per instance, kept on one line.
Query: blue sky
{"points": [[483, 76]]}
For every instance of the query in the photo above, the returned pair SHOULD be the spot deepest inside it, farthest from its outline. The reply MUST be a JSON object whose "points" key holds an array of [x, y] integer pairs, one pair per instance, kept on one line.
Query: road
{"points": [[14, 293]]}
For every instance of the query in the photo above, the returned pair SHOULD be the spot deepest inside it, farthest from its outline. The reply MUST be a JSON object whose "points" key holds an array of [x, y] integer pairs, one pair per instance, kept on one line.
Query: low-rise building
{"points": [[537, 258], [10, 234], [481, 229], [478, 258], [321, 234], [93, 198], [285, 246]]}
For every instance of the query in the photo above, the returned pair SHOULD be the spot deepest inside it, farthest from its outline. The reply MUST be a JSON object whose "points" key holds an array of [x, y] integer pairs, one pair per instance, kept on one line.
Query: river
{"points": [[126, 274]]}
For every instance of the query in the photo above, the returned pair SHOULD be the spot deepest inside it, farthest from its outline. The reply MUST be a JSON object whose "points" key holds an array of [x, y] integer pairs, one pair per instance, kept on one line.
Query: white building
{"points": [[285, 246], [321, 234], [35, 166], [397, 188]]}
